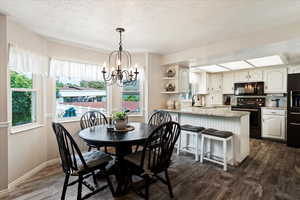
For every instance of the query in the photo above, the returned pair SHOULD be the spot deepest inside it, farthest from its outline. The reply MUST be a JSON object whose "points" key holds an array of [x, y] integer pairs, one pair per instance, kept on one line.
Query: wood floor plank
{"points": [[271, 172]]}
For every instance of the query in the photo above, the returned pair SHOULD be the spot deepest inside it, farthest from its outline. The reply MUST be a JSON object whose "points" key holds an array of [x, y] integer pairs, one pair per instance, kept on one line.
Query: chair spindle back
{"points": [[159, 117], [68, 149], [159, 147], [92, 118]]}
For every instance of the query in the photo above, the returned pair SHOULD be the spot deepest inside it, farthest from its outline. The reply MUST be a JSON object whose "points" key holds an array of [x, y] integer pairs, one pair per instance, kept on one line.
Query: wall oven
{"points": [[249, 89], [252, 105]]}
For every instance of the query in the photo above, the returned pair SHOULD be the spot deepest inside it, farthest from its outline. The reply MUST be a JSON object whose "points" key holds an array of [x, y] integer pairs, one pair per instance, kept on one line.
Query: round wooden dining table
{"points": [[122, 142]]}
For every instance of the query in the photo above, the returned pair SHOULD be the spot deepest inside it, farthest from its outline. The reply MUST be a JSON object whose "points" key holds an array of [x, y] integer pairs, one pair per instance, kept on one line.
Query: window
{"points": [[74, 97], [23, 98], [132, 97]]}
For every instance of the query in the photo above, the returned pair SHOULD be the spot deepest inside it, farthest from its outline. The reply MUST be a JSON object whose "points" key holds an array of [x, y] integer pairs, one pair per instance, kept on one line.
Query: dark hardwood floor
{"points": [[271, 172]]}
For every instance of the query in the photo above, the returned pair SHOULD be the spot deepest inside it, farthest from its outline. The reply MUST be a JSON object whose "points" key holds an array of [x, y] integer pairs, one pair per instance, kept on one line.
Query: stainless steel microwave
{"points": [[249, 89]]}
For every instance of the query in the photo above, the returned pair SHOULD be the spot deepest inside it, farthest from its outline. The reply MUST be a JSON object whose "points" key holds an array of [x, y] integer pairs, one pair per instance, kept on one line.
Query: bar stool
{"points": [[213, 134], [195, 132]]}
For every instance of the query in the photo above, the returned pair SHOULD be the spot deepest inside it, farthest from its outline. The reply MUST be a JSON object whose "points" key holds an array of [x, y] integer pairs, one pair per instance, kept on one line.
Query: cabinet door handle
{"points": [[296, 124], [294, 113], [291, 99]]}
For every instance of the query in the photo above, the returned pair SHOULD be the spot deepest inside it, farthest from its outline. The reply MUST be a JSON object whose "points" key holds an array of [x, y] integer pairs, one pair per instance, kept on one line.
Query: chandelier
{"points": [[119, 63]]}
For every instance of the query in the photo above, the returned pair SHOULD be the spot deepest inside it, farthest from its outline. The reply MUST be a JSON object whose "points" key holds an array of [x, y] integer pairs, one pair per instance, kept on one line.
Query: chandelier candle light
{"points": [[120, 59]]}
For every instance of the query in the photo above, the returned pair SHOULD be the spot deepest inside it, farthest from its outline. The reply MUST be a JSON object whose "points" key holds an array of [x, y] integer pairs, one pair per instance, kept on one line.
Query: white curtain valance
{"points": [[82, 71], [24, 61]]}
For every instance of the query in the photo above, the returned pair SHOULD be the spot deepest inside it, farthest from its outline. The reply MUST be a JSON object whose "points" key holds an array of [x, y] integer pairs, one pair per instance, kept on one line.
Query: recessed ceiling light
{"points": [[212, 68], [266, 61], [237, 65]]}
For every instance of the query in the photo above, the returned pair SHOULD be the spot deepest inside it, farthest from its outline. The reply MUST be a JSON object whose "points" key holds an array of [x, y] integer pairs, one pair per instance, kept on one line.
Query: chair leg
{"points": [[80, 179], [169, 183], [225, 154], [202, 149], [179, 144], [196, 148], [95, 179], [63, 195], [109, 182], [147, 185]]}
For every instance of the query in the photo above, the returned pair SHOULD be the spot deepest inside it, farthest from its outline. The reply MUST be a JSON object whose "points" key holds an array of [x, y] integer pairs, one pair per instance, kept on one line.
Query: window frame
{"points": [[37, 104], [141, 101]]}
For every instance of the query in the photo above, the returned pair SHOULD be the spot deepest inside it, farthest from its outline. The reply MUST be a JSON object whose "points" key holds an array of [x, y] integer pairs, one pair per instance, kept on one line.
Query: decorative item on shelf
{"points": [[170, 87], [118, 61], [120, 120], [170, 104], [177, 105], [171, 73]]}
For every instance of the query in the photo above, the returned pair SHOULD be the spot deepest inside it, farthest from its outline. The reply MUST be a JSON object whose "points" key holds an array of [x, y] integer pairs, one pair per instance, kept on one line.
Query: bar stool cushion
{"points": [[209, 131], [216, 133], [191, 128]]}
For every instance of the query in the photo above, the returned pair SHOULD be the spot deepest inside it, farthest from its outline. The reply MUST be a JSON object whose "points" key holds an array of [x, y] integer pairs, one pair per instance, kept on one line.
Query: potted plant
{"points": [[120, 120]]}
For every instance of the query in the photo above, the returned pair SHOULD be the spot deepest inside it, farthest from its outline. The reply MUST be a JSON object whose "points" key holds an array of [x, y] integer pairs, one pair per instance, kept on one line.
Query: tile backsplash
{"points": [[282, 102], [269, 98]]}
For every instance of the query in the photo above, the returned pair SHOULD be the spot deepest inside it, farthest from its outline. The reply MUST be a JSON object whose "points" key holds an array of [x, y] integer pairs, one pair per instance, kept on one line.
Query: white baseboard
{"points": [[32, 173], [3, 193]]}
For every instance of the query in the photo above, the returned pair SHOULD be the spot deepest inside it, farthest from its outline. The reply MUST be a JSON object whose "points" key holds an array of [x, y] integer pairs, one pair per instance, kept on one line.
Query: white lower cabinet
{"points": [[273, 124]]}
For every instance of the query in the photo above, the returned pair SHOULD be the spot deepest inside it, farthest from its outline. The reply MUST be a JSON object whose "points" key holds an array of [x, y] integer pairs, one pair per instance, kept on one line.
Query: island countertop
{"points": [[207, 111]]}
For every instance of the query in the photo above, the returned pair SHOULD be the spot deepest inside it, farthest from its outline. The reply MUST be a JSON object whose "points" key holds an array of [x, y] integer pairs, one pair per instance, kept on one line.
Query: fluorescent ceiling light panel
{"points": [[237, 65], [266, 61], [213, 68]]}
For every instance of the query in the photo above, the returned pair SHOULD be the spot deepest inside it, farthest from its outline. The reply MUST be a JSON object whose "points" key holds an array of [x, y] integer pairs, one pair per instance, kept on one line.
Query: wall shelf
{"points": [[175, 92], [168, 78]]}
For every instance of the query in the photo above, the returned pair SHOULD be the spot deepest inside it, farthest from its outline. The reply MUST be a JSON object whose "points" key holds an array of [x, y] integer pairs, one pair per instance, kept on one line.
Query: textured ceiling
{"points": [[162, 26]]}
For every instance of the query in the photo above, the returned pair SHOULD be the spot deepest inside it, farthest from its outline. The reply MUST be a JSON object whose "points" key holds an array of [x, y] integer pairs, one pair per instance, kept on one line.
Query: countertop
{"points": [[209, 111], [274, 108]]}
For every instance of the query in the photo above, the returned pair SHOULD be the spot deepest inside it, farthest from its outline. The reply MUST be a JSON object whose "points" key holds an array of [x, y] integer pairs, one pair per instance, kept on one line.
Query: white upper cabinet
{"points": [[241, 76], [228, 82], [184, 79], [275, 80], [199, 81], [254, 75], [215, 82]]}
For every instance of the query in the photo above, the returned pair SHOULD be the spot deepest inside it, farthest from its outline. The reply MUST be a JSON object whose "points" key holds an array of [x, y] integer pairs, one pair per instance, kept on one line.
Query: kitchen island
{"points": [[222, 119]]}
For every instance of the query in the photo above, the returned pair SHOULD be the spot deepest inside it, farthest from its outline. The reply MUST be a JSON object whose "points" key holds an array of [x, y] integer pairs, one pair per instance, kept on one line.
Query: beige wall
{"points": [[26, 150], [20, 36], [3, 103], [153, 84], [64, 51]]}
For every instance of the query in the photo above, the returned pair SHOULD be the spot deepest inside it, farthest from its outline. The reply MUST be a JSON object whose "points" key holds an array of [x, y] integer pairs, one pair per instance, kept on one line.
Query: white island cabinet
{"points": [[222, 119]]}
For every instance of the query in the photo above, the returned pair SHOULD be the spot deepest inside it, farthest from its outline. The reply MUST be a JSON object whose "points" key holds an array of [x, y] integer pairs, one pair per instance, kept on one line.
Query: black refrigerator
{"points": [[293, 116]]}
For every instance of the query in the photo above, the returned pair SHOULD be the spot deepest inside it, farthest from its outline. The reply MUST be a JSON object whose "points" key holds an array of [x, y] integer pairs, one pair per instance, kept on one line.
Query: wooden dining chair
{"points": [[74, 163], [90, 119], [155, 157], [157, 118]]}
